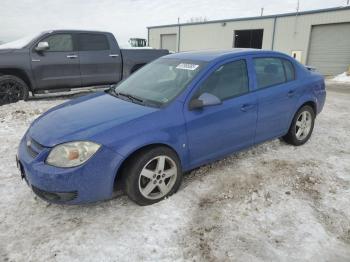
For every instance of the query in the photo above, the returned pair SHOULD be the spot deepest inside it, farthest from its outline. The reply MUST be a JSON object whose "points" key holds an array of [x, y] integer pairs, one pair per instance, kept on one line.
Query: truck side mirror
{"points": [[204, 100], [42, 46]]}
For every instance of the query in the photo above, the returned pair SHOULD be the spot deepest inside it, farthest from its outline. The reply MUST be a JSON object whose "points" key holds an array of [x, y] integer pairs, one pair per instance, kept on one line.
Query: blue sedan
{"points": [[181, 111]]}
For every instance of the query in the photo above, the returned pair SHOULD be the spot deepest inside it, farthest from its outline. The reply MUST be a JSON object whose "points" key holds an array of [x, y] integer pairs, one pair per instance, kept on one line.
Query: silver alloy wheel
{"points": [[157, 177], [303, 125]]}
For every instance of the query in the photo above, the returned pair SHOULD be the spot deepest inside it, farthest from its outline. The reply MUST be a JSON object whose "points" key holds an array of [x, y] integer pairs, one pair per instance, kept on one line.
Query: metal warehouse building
{"points": [[319, 38]]}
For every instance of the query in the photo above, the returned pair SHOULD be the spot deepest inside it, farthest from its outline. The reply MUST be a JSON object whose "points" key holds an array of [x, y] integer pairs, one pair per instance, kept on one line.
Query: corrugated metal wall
{"points": [[292, 33]]}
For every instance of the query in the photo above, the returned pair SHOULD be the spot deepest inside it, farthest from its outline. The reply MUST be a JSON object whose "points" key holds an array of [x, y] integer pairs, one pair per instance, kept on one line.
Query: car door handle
{"points": [[247, 107], [113, 55], [72, 56], [291, 93]]}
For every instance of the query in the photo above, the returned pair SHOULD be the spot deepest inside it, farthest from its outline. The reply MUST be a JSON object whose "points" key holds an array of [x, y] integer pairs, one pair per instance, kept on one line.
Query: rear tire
{"points": [[12, 89], [302, 126], [152, 175]]}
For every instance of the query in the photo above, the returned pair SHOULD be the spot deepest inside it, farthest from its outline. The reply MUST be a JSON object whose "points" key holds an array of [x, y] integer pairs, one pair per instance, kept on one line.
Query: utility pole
{"points": [[296, 17], [347, 2], [179, 34], [262, 11], [298, 6]]}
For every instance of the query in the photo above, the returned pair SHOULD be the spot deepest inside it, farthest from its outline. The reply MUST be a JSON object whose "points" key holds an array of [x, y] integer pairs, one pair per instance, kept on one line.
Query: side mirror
{"points": [[204, 100], [42, 46]]}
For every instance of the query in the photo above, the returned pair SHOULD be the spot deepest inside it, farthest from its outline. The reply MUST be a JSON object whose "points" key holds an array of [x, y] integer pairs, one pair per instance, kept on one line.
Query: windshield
{"points": [[19, 43], [161, 81]]}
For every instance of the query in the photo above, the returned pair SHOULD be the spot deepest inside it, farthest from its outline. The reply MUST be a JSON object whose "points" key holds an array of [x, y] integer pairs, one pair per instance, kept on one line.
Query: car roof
{"points": [[72, 31], [210, 55]]}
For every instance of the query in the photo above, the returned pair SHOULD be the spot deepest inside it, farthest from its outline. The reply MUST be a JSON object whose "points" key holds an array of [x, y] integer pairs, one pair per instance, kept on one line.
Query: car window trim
{"points": [[216, 67]]}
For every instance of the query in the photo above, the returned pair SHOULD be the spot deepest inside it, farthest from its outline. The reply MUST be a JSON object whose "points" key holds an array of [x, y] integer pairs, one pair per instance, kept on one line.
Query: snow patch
{"points": [[342, 78], [273, 202]]}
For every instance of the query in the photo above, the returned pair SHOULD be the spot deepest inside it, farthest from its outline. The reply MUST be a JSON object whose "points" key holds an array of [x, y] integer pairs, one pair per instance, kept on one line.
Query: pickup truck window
{"points": [[92, 42], [161, 81], [59, 43]]}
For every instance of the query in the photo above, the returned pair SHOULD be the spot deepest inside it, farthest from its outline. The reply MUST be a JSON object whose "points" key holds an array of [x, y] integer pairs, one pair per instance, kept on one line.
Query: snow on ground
{"points": [[342, 78], [273, 202]]}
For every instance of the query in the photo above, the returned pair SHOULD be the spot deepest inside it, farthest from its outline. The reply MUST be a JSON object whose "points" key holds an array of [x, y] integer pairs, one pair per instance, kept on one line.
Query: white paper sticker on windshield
{"points": [[187, 66]]}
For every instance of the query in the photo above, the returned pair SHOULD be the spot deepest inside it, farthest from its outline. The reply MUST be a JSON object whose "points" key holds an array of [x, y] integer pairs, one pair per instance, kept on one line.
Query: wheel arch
{"points": [[20, 73], [118, 179], [310, 102]]}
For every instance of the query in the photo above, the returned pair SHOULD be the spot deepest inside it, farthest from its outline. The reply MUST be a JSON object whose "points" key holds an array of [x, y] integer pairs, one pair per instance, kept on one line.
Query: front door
{"points": [[215, 131], [58, 66]]}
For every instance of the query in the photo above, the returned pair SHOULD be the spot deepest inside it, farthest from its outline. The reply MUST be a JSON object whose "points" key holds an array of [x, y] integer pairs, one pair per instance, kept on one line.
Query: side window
{"points": [[227, 81], [92, 42], [269, 71], [59, 43], [289, 69]]}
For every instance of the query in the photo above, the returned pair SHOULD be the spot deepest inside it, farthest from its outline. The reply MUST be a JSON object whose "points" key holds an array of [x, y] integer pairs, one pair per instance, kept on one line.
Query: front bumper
{"points": [[90, 182]]}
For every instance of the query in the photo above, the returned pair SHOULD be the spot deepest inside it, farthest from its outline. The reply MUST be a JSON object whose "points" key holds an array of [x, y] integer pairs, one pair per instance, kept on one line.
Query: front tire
{"points": [[12, 89], [302, 126], [152, 175]]}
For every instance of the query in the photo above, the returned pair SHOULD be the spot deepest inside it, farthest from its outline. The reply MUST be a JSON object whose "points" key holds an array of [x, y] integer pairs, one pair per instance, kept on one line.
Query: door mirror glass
{"points": [[42, 46], [204, 100]]}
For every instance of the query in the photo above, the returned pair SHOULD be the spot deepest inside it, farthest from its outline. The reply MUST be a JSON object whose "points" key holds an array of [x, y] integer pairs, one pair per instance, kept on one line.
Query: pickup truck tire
{"points": [[152, 175], [12, 89]]}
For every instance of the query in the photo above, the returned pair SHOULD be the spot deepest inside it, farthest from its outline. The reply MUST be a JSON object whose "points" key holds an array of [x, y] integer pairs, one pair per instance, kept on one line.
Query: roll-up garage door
{"points": [[329, 48], [168, 42]]}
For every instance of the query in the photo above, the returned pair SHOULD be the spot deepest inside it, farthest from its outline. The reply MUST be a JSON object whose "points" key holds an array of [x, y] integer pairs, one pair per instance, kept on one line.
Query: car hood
{"points": [[83, 118]]}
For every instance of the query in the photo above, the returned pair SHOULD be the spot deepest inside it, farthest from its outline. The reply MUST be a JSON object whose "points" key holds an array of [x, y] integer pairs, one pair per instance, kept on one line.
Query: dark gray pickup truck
{"points": [[63, 59]]}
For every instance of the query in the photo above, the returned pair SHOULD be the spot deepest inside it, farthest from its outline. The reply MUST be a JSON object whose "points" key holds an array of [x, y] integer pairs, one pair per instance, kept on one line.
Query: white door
{"points": [[168, 41]]}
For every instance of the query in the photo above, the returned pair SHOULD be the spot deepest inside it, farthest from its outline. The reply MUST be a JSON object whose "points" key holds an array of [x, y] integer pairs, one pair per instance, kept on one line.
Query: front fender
{"points": [[175, 142]]}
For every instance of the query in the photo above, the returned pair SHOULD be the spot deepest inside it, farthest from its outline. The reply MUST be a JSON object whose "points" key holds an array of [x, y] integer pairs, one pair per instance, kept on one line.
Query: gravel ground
{"points": [[273, 202]]}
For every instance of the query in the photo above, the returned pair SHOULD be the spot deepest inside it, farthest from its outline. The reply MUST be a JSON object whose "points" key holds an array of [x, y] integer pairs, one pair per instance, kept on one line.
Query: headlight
{"points": [[72, 154]]}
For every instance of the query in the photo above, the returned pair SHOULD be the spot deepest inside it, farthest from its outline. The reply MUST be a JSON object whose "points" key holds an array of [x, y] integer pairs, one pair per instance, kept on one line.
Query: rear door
{"points": [[278, 91], [59, 65], [100, 60], [214, 131]]}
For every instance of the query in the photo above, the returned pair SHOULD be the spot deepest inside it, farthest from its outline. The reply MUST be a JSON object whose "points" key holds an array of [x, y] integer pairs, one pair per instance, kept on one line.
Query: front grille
{"points": [[33, 147]]}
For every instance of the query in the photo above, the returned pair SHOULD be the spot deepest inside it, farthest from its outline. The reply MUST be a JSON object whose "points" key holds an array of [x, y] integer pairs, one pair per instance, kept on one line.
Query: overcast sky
{"points": [[129, 18]]}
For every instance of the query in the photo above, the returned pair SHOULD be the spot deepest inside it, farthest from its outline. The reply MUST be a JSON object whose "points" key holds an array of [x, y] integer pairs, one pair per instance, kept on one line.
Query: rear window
{"points": [[269, 71], [272, 71], [92, 42]]}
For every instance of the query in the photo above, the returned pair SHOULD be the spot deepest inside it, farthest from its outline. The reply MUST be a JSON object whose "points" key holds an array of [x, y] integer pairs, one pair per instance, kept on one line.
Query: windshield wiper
{"points": [[128, 96], [131, 97]]}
